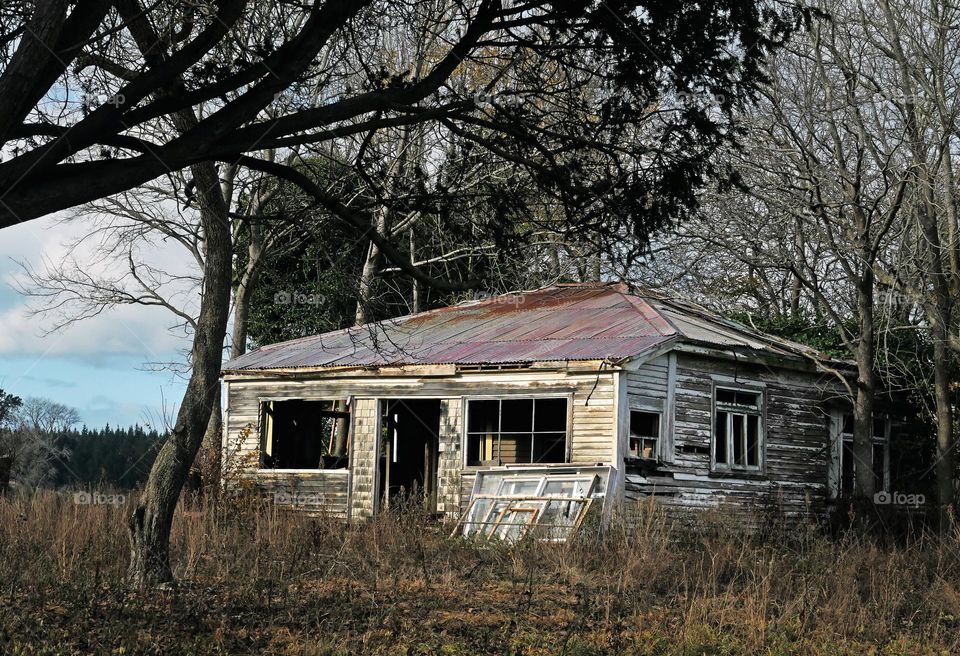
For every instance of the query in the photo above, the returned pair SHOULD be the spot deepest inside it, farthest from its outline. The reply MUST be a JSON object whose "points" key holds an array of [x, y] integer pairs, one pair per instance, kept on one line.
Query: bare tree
{"points": [[850, 210], [8, 407], [825, 181], [922, 48], [30, 440]]}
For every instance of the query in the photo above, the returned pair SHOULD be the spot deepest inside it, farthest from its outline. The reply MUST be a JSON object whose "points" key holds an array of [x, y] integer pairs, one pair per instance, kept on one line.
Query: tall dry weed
{"points": [[255, 576]]}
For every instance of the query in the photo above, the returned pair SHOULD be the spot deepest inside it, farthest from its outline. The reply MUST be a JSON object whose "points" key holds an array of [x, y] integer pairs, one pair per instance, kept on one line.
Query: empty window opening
{"points": [[302, 434], [738, 430], [644, 434], [879, 455], [516, 431]]}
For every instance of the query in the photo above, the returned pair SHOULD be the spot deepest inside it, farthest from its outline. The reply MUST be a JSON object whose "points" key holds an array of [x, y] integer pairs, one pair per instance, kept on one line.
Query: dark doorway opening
{"points": [[409, 446]]}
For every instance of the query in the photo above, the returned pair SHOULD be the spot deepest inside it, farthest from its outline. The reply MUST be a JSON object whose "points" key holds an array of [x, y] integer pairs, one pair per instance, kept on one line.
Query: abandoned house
{"points": [[524, 409]]}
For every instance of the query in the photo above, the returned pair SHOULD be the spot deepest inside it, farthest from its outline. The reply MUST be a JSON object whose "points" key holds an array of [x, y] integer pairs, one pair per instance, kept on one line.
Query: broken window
{"points": [[879, 460], [738, 429], [300, 434], [516, 431], [644, 434], [550, 504]]}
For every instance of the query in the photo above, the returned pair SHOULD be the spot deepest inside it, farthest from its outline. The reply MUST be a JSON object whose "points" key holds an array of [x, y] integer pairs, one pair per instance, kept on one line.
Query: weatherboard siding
{"points": [[591, 438], [793, 481], [648, 383], [322, 493], [364, 453], [450, 460]]}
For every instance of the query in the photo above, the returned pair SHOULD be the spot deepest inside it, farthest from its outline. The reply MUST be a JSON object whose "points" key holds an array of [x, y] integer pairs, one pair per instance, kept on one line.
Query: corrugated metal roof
{"points": [[563, 323]]}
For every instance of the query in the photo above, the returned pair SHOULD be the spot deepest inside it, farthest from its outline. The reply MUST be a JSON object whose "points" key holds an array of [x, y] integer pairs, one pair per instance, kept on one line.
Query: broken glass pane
{"points": [[551, 503], [753, 441], [720, 441], [738, 422]]}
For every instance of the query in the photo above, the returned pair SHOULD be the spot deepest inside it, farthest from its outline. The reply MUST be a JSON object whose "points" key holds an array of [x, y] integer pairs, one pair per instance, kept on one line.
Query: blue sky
{"points": [[98, 366]]}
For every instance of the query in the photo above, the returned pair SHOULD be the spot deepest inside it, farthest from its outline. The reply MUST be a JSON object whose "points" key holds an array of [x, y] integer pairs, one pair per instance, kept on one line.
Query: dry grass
{"points": [[255, 580]]}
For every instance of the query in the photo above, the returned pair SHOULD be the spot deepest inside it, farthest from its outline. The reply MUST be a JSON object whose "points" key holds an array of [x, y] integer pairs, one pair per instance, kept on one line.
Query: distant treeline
{"points": [[114, 457]]}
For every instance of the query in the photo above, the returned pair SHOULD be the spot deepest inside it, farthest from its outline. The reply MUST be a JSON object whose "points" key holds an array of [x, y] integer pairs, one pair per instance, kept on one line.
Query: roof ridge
{"points": [[629, 292], [707, 314]]}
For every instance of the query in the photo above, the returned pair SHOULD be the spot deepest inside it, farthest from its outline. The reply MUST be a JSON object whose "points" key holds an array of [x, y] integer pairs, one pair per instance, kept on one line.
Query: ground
{"points": [[253, 579]]}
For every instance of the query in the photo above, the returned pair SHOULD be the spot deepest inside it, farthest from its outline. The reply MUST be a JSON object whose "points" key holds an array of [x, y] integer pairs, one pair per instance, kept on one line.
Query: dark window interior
{"points": [[753, 440], [720, 438], [644, 433], [879, 426], [848, 461], [847, 470], [737, 397], [300, 434], [516, 431], [516, 416]]}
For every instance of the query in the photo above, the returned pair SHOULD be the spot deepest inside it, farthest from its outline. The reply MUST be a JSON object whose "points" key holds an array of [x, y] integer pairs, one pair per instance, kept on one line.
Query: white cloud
{"points": [[127, 330], [122, 331]]}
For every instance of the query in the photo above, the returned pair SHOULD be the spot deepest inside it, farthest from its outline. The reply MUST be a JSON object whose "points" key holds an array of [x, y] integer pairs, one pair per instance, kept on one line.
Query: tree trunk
{"points": [[952, 224], [553, 258], [342, 429], [153, 516], [796, 284], [864, 487], [939, 313], [18, 84], [371, 268], [6, 465], [945, 457], [415, 302], [206, 467], [241, 300]]}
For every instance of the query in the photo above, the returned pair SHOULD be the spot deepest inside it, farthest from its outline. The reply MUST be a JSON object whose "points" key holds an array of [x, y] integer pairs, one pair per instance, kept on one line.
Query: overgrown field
{"points": [[256, 580]]}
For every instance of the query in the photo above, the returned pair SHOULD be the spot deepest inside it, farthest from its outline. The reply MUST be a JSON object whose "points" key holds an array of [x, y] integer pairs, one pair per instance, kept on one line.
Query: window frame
{"points": [[465, 433], [659, 437], [883, 441], [262, 415], [760, 412], [487, 509]]}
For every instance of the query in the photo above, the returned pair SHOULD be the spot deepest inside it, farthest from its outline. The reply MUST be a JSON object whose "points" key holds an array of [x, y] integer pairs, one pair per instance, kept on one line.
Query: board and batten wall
{"points": [[352, 492], [796, 448]]}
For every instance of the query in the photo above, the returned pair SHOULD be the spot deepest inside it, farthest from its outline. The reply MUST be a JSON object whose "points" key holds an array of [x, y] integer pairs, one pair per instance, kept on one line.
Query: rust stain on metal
{"points": [[562, 323]]}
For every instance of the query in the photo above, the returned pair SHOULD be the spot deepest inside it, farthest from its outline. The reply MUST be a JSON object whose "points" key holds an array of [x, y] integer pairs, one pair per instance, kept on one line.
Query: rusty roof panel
{"points": [[563, 323]]}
